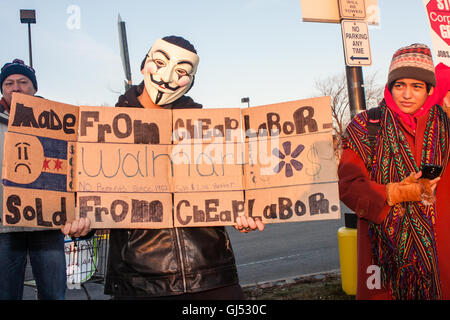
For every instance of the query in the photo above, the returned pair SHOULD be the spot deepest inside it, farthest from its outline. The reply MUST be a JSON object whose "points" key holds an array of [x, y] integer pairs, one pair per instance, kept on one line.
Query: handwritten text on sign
{"points": [[137, 168]]}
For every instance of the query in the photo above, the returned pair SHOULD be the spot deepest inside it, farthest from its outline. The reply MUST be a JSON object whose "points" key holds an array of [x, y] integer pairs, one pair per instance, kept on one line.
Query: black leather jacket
{"points": [[164, 262]]}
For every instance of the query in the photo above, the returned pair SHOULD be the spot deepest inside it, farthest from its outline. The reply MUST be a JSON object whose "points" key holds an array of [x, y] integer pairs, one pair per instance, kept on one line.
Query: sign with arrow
{"points": [[355, 36]]}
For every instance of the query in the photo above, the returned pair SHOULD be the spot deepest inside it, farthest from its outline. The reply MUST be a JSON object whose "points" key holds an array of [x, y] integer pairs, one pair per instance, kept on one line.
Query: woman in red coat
{"points": [[404, 221]]}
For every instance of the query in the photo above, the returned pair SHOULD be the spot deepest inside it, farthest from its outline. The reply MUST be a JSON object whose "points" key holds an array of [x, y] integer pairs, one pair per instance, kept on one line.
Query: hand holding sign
{"points": [[77, 228], [246, 224]]}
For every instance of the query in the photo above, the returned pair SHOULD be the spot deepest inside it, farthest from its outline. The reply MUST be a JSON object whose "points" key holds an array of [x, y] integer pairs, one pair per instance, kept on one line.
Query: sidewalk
{"points": [[95, 290]]}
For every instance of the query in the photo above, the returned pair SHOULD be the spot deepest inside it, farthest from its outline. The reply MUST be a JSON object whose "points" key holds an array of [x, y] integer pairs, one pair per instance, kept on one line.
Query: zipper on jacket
{"points": [[181, 259]]}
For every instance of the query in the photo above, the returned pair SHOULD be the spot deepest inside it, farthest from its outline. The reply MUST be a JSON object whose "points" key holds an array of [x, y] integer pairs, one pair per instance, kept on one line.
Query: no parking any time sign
{"points": [[355, 36]]}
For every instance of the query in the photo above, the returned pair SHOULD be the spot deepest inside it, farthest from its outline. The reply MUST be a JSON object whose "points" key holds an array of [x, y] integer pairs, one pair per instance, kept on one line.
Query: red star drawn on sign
{"points": [[46, 164], [58, 164]]}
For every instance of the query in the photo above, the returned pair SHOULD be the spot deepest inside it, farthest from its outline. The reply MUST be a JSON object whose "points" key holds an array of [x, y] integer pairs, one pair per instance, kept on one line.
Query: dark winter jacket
{"points": [[164, 262]]}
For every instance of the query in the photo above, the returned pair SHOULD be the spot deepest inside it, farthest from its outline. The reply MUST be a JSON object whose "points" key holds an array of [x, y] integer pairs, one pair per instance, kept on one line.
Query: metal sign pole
{"points": [[29, 45], [355, 86], [355, 38], [28, 17]]}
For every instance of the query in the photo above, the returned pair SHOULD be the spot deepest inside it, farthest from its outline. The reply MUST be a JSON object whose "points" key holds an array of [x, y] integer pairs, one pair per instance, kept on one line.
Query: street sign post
{"points": [[438, 13], [355, 37]]}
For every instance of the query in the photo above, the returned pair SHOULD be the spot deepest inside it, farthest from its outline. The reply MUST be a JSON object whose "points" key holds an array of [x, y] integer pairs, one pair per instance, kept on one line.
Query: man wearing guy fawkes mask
{"points": [[176, 263], [169, 69]]}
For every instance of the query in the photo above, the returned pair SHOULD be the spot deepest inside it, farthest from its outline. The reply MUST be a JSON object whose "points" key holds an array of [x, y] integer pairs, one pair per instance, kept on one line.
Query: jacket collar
{"points": [[4, 111]]}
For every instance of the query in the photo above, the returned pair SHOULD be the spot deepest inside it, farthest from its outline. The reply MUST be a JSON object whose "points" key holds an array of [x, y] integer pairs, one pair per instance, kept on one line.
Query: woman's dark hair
{"points": [[429, 86]]}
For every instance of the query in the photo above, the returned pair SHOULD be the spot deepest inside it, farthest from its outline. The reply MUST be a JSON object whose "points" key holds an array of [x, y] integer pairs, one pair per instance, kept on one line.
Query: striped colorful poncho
{"points": [[404, 244]]}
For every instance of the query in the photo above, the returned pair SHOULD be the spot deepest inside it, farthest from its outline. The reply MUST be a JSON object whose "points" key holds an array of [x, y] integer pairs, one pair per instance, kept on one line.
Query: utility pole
{"points": [[124, 52], [28, 17], [246, 100]]}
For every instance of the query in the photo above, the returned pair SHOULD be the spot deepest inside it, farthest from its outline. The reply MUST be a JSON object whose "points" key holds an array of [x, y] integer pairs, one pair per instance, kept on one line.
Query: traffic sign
{"points": [[438, 13], [355, 36], [328, 11], [352, 9]]}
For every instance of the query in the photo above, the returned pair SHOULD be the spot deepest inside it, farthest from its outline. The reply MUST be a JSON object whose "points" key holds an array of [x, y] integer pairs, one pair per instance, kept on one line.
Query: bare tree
{"points": [[335, 86]]}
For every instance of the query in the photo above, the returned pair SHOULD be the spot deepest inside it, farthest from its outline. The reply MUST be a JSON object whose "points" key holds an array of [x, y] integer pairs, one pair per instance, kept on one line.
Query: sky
{"points": [[259, 49]]}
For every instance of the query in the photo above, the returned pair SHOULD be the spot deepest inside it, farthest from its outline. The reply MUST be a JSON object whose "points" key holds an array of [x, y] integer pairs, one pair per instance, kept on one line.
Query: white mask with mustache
{"points": [[168, 71]]}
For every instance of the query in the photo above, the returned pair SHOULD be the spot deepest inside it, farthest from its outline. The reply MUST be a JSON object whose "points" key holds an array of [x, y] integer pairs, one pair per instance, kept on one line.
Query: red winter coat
{"points": [[368, 200]]}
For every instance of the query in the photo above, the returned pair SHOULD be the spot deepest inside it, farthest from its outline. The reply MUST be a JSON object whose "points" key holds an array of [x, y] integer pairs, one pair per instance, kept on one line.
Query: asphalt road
{"points": [[281, 251], [286, 250]]}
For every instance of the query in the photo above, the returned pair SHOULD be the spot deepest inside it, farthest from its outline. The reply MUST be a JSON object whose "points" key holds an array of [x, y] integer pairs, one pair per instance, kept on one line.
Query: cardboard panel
{"points": [[126, 210], [207, 157], [37, 208], [207, 167], [41, 117], [114, 167], [290, 161], [207, 125], [34, 162], [294, 204], [288, 118], [125, 125], [198, 209]]}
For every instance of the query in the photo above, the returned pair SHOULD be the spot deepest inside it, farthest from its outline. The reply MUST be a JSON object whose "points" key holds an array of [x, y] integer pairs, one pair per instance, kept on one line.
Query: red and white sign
{"points": [[438, 13]]}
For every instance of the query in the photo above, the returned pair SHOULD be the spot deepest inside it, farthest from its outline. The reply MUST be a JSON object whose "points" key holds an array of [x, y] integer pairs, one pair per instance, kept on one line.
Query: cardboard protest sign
{"points": [[139, 168], [118, 167], [207, 125], [293, 204], [44, 118], [123, 168], [126, 210], [290, 169], [125, 125], [35, 162], [37, 208], [207, 157], [207, 208], [37, 166]]}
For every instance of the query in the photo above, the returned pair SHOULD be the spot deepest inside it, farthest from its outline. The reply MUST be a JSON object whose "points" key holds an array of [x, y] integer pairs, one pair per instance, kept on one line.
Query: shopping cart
{"points": [[86, 260]]}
